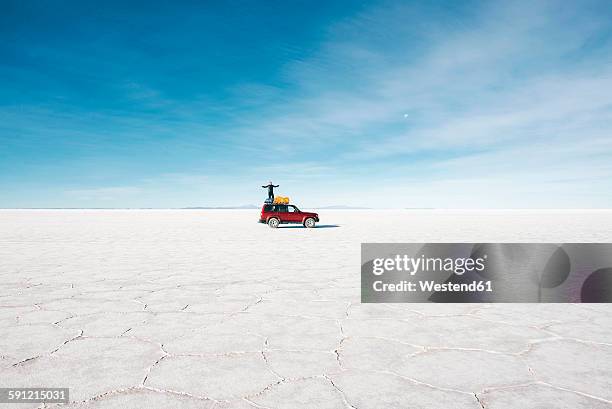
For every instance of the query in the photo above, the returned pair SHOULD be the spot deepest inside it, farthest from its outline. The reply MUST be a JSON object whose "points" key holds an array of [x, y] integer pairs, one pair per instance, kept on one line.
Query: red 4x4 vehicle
{"points": [[275, 214]]}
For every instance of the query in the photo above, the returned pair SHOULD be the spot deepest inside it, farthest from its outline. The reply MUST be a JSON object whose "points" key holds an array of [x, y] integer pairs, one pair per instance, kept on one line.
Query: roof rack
{"points": [[277, 200]]}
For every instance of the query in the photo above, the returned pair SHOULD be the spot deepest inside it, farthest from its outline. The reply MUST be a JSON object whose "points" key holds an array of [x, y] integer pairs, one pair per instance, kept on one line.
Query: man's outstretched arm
{"points": [[275, 185], [264, 186]]}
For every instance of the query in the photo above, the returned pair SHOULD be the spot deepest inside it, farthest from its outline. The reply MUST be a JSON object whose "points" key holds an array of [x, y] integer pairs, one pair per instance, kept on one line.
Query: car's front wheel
{"points": [[273, 222], [310, 223]]}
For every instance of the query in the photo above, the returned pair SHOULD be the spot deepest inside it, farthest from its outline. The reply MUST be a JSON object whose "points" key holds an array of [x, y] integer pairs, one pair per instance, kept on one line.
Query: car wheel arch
{"points": [[269, 220]]}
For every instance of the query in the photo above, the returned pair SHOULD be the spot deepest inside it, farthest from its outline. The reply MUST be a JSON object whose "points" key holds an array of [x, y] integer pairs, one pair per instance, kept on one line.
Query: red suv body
{"points": [[275, 214]]}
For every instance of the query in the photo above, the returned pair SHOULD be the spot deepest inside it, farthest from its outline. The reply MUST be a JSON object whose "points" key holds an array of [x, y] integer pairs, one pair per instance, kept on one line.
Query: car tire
{"points": [[273, 222], [309, 223]]}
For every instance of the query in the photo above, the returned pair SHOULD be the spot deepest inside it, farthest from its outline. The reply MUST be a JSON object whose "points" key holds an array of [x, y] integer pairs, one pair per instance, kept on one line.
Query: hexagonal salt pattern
{"points": [[583, 367], [142, 399], [90, 367], [539, 396], [208, 309], [221, 377]]}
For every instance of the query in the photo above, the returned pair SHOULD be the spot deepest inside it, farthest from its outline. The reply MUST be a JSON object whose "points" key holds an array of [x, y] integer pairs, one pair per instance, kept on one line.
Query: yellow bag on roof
{"points": [[281, 200]]}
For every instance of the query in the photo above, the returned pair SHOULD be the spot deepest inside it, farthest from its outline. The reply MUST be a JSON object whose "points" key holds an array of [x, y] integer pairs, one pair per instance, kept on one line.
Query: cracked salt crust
{"points": [[583, 367], [536, 396], [220, 377], [208, 309]]}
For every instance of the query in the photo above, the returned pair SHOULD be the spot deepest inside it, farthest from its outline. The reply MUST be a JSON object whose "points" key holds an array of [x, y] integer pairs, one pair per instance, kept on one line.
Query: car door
{"points": [[274, 212], [293, 214], [281, 212]]}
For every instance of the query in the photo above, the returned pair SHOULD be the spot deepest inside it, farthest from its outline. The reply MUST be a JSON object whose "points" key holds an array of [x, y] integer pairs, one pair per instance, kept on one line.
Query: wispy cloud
{"points": [[514, 93], [471, 85], [493, 103]]}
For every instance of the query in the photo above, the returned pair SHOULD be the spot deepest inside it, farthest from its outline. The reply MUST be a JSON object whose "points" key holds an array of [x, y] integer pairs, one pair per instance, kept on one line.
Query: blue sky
{"points": [[424, 104]]}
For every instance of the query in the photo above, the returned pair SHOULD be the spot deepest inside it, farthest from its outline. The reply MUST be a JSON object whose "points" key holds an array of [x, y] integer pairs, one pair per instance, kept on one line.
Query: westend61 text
{"points": [[409, 286]]}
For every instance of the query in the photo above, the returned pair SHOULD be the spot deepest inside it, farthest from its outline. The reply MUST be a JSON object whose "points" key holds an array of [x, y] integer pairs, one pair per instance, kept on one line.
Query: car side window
{"points": [[281, 208], [268, 208], [293, 209]]}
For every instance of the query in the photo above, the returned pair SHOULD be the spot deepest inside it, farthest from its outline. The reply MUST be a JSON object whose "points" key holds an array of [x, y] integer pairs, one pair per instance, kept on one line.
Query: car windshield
{"points": [[295, 209]]}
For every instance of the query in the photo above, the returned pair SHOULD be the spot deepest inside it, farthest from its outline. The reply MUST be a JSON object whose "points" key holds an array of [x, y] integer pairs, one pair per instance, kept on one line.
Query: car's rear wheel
{"points": [[273, 222], [310, 223]]}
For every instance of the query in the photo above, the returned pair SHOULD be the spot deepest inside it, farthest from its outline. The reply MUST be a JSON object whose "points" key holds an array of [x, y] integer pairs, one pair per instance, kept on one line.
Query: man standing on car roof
{"points": [[270, 187]]}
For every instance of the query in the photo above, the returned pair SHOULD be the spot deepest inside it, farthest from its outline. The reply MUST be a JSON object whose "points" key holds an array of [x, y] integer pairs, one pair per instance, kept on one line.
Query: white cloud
{"points": [[514, 94]]}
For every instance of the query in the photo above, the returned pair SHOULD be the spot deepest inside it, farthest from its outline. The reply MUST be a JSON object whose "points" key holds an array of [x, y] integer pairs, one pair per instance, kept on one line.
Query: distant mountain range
{"points": [[247, 206], [252, 206], [342, 207]]}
